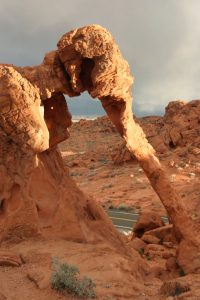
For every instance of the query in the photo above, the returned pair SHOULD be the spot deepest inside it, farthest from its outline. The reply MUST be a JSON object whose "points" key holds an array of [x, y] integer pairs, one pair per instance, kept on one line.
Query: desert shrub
{"points": [[174, 288], [141, 251], [65, 279], [123, 206], [181, 272]]}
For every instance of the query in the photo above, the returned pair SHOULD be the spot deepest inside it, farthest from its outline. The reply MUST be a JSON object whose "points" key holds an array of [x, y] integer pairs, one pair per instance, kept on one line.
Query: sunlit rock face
{"points": [[37, 196]]}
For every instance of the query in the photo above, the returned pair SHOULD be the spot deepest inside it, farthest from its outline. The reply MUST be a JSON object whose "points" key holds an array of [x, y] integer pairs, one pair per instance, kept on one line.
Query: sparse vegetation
{"points": [[74, 174], [149, 257], [103, 161], [107, 186], [111, 206], [65, 279], [91, 173], [141, 251], [124, 207], [174, 288], [181, 272]]}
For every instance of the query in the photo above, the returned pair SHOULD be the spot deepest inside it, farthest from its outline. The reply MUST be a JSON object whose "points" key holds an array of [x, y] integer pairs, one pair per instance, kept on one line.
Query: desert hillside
{"points": [[102, 167]]}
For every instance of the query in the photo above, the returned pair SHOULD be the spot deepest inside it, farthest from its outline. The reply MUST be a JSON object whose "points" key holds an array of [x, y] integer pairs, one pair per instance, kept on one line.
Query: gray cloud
{"points": [[159, 38]]}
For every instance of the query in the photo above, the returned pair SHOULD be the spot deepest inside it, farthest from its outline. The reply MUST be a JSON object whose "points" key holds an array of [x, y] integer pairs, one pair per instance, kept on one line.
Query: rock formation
{"points": [[37, 196], [34, 193]]}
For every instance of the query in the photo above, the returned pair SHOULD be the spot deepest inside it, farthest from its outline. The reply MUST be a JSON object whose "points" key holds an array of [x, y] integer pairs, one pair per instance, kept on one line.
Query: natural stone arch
{"points": [[87, 59]]}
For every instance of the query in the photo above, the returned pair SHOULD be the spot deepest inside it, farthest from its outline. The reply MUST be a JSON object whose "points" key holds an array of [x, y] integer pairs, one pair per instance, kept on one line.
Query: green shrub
{"points": [[65, 279], [181, 272], [123, 206], [141, 251]]}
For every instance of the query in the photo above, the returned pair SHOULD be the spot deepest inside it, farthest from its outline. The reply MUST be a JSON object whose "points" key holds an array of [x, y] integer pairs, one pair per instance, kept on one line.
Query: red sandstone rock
{"points": [[34, 185], [164, 233], [2, 297], [137, 244], [9, 259], [150, 239], [146, 222], [153, 250], [171, 264]]}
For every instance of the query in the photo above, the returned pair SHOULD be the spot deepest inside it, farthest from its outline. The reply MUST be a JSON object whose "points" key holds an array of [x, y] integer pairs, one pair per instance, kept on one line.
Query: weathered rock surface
{"points": [[10, 259], [174, 288], [177, 131], [164, 233], [38, 199], [150, 239], [137, 244], [146, 222], [2, 297], [94, 63]]}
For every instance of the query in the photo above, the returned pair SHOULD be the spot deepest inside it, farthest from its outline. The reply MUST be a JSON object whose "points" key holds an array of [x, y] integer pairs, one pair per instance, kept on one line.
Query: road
{"points": [[125, 220]]}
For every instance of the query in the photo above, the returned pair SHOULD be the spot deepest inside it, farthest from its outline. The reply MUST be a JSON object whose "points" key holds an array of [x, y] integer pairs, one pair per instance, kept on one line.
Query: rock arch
{"points": [[34, 196]]}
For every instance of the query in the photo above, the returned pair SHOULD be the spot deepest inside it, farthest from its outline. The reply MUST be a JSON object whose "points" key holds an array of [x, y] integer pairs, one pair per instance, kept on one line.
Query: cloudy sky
{"points": [[159, 38]]}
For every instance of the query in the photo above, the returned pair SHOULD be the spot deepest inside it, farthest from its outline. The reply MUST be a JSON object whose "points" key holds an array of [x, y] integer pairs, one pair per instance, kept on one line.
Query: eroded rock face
{"points": [[94, 63], [57, 118], [37, 197]]}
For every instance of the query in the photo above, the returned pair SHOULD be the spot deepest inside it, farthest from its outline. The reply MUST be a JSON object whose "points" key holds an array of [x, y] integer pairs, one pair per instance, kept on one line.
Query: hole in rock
{"points": [[139, 232], [2, 206], [38, 208], [85, 74], [171, 145], [57, 118]]}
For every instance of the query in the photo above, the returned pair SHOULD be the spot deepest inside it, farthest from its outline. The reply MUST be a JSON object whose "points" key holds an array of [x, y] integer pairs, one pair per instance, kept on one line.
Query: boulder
{"points": [[137, 244], [150, 239], [171, 264], [147, 221], [164, 233], [153, 250]]}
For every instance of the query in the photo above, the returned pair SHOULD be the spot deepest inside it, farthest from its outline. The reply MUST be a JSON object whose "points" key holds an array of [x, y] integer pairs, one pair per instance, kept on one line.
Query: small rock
{"points": [[138, 180], [147, 221], [158, 250], [192, 175], [137, 244], [168, 244], [164, 233], [171, 264], [150, 239], [172, 177], [157, 271], [171, 163], [9, 259]]}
